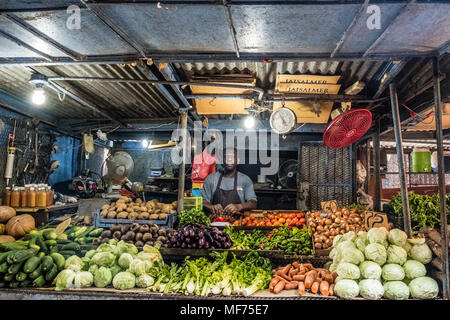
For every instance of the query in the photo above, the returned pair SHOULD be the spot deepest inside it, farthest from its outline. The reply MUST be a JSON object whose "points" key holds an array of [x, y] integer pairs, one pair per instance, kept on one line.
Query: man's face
{"points": [[230, 160]]}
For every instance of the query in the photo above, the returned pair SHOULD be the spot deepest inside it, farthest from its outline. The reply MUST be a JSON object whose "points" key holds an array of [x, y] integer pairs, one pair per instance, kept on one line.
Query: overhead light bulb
{"points": [[249, 122], [38, 96], [144, 143]]}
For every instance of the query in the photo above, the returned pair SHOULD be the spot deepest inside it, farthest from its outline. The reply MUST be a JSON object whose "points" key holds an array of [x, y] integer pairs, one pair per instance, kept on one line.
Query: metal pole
{"points": [[401, 164], [367, 187], [182, 172], [441, 175], [376, 149]]}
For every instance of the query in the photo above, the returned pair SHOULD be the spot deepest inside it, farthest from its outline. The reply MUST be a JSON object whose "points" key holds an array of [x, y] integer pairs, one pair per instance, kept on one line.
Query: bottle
{"points": [[7, 197], [31, 199], [23, 197], [49, 196], [41, 198], [15, 198]]}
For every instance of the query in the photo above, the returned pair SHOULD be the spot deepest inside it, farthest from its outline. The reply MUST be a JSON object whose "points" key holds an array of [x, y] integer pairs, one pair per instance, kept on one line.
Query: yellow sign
{"points": [[307, 84]]}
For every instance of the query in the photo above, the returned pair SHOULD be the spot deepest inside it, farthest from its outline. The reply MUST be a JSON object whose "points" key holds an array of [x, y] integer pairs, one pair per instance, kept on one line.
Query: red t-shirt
{"points": [[204, 164]]}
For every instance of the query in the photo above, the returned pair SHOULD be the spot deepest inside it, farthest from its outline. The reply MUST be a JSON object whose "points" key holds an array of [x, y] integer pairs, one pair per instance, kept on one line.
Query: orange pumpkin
{"points": [[19, 226], [6, 213]]}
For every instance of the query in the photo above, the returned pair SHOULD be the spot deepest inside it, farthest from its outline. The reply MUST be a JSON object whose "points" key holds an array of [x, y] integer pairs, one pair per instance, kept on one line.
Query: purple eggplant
{"points": [[186, 232], [201, 242], [194, 245], [189, 246], [183, 245], [206, 245], [187, 240], [191, 233]]}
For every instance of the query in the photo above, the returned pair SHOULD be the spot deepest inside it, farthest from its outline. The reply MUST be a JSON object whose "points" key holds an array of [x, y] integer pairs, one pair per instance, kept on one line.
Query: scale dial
{"points": [[283, 120]]}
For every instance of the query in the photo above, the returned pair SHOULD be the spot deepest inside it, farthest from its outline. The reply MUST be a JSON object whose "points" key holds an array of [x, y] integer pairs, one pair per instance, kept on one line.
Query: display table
{"points": [[41, 215]]}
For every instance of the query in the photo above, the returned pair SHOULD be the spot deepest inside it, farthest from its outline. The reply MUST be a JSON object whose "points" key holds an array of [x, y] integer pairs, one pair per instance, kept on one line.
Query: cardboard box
{"points": [[374, 219]]}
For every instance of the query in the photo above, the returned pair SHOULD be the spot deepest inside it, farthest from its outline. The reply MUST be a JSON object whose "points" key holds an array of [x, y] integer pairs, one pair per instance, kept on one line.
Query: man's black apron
{"points": [[226, 197]]}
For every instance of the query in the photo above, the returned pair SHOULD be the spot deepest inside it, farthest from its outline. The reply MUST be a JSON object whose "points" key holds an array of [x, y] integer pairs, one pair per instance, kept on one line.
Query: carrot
{"points": [[279, 286], [299, 277], [331, 289], [285, 277], [315, 287], [310, 278], [293, 272], [295, 264], [301, 288], [285, 270], [291, 285], [302, 270], [273, 283], [324, 288], [308, 266]]}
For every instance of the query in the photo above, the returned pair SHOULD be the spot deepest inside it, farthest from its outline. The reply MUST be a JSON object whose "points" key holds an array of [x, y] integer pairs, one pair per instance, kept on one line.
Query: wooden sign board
{"points": [[374, 219], [309, 84], [329, 206]]}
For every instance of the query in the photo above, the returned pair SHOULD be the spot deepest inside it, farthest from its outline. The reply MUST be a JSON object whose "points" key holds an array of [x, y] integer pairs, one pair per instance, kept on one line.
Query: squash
{"points": [[6, 213], [19, 226], [2, 228], [4, 239]]}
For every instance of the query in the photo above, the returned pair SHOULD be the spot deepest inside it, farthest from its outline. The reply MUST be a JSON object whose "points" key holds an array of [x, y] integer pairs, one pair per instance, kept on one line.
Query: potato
{"points": [[103, 214], [105, 207], [153, 216], [111, 215], [129, 209], [162, 216], [139, 200], [144, 216], [122, 215], [165, 208], [156, 211], [144, 209]]}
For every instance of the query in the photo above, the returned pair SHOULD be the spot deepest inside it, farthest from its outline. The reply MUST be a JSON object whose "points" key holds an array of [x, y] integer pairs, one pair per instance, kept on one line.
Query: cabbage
{"points": [[92, 269], [361, 241], [102, 277], [347, 289], [75, 260], [149, 256], [124, 247], [333, 253], [125, 260], [423, 288], [407, 247], [90, 254], [375, 252], [105, 247], [397, 255], [421, 253], [392, 272], [371, 289], [414, 269], [64, 279], [124, 280], [349, 236], [340, 250], [370, 270], [347, 270], [377, 235], [115, 269], [416, 241], [352, 255], [385, 243], [327, 265], [333, 267], [104, 259], [83, 279], [153, 250], [397, 237], [74, 267], [113, 242], [144, 281], [396, 290], [138, 267], [337, 239]]}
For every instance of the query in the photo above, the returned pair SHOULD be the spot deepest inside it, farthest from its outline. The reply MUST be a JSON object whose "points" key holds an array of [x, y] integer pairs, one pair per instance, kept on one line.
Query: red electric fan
{"points": [[347, 128]]}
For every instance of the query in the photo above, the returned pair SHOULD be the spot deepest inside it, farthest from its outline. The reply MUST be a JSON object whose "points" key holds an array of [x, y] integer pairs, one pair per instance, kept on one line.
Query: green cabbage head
{"points": [[397, 237], [376, 252], [75, 260], [138, 267], [396, 290], [83, 279], [414, 269], [377, 235], [102, 277], [347, 270], [370, 270], [64, 279], [423, 288], [371, 289], [352, 255], [396, 254], [361, 241], [347, 289], [125, 260], [104, 259], [144, 281], [124, 280], [392, 272], [421, 253], [115, 269]]}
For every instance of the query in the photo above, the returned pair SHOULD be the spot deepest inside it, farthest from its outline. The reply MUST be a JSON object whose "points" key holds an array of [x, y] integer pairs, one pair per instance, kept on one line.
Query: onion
{"points": [[328, 221], [337, 221], [318, 245]]}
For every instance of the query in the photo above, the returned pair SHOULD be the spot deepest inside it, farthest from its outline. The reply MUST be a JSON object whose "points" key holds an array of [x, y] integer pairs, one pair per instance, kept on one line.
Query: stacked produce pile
{"points": [[13, 226], [125, 208], [385, 264], [326, 226], [290, 240], [115, 263], [76, 240], [199, 236], [187, 217], [434, 241], [147, 234], [274, 220], [303, 277]]}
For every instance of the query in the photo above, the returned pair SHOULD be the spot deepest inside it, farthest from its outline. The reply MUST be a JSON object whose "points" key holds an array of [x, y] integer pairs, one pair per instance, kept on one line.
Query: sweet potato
{"points": [[299, 277], [301, 288], [291, 285], [331, 289], [295, 264], [335, 275], [308, 266], [324, 288], [279, 286], [273, 283], [315, 287], [286, 269], [310, 278], [302, 270], [285, 277]]}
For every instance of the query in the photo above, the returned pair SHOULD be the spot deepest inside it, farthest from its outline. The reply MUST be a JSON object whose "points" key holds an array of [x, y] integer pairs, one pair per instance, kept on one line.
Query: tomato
{"points": [[270, 216], [236, 223], [300, 215], [288, 220], [282, 220], [302, 221]]}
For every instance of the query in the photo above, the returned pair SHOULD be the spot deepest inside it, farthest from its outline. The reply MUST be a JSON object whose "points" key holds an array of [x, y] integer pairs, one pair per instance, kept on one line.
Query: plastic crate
{"points": [[193, 203], [106, 223]]}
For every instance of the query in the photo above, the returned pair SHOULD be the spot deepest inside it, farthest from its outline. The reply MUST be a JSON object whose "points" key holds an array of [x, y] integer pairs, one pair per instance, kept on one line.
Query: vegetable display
{"points": [[241, 240], [303, 278], [187, 217], [125, 208], [291, 241], [76, 240], [137, 234], [275, 220], [199, 236], [326, 226], [379, 263]]}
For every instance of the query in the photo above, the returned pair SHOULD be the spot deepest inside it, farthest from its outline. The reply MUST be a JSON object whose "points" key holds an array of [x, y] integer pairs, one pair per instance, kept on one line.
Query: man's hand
{"points": [[217, 209], [233, 208]]}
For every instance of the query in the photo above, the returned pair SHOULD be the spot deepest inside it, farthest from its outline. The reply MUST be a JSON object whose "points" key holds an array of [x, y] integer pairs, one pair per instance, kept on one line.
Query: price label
{"points": [[329, 206]]}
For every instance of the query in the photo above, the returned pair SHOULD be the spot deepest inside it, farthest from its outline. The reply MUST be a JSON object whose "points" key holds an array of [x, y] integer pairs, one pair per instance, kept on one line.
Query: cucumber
{"points": [[61, 236], [67, 253], [14, 284], [41, 243], [3, 284], [83, 252], [63, 241], [20, 276], [41, 255], [96, 232], [31, 264], [39, 282], [86, 232], [36, 273], [50, 242], [71, 246], [69, 230], [50, 234], [53, 249], [9, 277], [25, 283], [80, 231], [23, 255], [3, 256], [4, 267], [46, 263], [59, 260], [16, 245], [9, 257], [14, 268], [51, 274]]}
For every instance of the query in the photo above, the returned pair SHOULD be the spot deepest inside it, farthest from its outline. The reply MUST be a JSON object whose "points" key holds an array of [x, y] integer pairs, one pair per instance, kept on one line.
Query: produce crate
{"points": [[317, 252], [193, 203], [169, 222]]}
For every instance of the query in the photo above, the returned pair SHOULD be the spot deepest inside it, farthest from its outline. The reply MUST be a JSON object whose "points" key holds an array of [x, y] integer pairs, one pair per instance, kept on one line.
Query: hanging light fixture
{"points": [[39, 81], [249, 122]]}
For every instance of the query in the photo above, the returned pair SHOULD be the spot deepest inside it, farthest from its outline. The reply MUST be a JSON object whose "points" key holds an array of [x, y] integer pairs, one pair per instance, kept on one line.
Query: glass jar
{"points": [[7, 197], [49, 196], [15, 198], [41, 198], [23, 197], [31, 198]]}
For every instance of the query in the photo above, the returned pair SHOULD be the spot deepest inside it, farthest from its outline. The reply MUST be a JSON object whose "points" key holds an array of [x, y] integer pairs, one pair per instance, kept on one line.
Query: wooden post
{"points": [[182, 171]]}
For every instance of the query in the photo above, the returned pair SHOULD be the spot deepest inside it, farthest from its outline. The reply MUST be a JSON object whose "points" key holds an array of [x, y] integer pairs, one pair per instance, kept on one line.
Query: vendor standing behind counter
{"points": [[228, 191]]}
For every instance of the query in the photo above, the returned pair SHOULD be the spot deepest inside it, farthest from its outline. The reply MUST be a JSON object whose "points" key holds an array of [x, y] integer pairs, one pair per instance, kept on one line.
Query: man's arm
{"points": [[207, 194], [249, 197]]}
